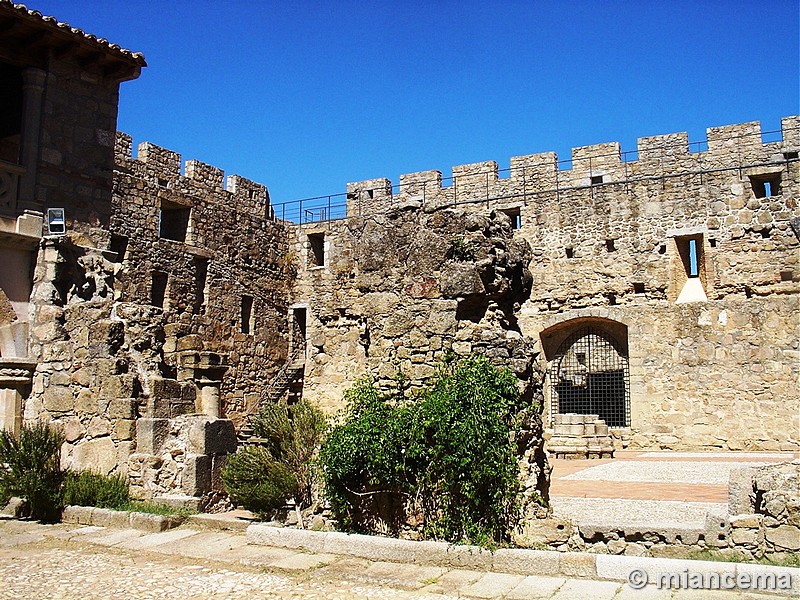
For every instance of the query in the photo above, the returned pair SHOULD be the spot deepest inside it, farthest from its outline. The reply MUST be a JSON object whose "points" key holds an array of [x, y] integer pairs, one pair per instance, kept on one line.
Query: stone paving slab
{"points": [[492, 585], [204, 544], [303, 562], [666, 471], [81, 568], [112, 537], [155, 540], [650, 514], [536, 587], [577, 589]]}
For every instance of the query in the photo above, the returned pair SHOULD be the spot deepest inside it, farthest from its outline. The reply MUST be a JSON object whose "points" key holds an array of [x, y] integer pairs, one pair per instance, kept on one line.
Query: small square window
{"points": [[611, 245], [638, 288], [766, 186], [173, 221]]}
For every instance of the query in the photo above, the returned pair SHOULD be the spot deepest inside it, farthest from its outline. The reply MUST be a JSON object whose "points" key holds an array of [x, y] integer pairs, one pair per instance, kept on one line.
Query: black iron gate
{"points": [[589, 375]]}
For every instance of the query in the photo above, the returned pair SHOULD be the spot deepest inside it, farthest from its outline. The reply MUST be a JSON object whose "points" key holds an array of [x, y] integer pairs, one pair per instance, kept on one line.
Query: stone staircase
{"points": [[291, 372]]}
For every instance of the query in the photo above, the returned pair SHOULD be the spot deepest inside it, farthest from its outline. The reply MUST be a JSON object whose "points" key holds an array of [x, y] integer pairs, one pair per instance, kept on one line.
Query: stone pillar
{"points": [[209, 397], [33, 81], [15, 385]]}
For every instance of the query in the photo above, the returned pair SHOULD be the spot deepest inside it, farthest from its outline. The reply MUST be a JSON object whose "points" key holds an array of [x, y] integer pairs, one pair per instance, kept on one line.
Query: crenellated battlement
{"points": [[598, 164], [163, 167]]}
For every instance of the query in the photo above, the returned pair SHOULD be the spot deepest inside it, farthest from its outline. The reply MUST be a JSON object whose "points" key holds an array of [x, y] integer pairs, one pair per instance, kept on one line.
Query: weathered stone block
{"points": [[124, 429], [150, 434], [58, 399], [99, 455], [212, 436], [196, 474], [121, 408], [785, 537]]}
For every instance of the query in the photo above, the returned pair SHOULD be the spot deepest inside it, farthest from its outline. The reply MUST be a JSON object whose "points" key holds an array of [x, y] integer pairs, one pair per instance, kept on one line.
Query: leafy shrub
{"points": [[449, 451], [257, 481], [461, 250], [293, 434], [365, 457], [93, 489], [30, 468]]}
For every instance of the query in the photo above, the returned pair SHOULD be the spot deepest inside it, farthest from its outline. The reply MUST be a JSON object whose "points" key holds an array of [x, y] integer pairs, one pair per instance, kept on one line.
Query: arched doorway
{"points": [[589, 375]]}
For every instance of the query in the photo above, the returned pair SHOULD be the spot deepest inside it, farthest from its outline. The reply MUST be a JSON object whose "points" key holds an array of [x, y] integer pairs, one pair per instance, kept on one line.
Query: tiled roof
{"points": [[22, 11]]}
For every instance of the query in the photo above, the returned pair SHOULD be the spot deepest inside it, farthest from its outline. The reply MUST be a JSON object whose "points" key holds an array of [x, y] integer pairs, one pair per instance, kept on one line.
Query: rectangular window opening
{"points": [[597, 179], [316, 249], [610, 245], [158, 288], [791, 155], [173, 221], [516, 217], [787, 275], [638, 288], [119, 246], [247, 316], [766, 186], [569, 252]]}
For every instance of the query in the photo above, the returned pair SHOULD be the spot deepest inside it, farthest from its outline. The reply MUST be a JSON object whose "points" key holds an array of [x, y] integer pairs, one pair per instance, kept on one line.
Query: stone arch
{"points": [[588, 369]]}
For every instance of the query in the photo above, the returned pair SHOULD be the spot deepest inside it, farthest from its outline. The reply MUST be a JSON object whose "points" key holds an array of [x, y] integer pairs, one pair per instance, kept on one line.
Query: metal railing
{"points": [[335, 206]]}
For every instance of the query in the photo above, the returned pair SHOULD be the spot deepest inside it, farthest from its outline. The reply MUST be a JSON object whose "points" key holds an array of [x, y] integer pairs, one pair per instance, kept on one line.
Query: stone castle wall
{"points": [[610, 248]]}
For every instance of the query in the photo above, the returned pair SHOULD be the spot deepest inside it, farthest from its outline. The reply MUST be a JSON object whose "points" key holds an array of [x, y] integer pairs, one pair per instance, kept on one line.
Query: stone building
{"points": [[148, 306]]}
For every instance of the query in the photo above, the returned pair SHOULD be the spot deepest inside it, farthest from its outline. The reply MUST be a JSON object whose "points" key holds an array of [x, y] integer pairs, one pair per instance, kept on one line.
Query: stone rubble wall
{"points": [[401, 292], [230, 230]]}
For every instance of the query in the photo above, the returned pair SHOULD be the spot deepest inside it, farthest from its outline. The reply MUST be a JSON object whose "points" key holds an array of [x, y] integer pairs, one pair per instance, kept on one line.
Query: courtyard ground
{"points": [[69, 561], [653, 489]]}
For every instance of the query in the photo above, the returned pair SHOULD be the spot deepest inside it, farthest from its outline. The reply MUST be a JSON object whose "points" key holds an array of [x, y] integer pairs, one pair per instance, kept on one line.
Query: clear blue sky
{"points": [[305, 96]]}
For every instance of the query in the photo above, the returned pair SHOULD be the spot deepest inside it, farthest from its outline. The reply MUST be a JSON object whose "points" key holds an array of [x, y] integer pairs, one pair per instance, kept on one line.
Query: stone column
{"points": [[209, 397], [33, 81]]}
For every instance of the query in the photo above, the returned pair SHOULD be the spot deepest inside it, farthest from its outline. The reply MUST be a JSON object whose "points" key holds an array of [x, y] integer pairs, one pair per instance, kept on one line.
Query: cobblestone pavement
{"points": [[78, 562]]}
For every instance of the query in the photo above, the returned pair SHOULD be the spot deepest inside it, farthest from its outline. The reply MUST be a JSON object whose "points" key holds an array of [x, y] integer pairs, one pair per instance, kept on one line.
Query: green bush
{"points": [[93, 489], [448, 451], [257, 481], [293, 434], [30, 468]]}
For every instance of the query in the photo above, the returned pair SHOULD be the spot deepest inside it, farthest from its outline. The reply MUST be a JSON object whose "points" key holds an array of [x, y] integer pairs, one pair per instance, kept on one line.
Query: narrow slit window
{"points": [[119, 246], [158, 288], [200, 282], [316, 249], [693, 271], [569, 252], [247, 317]]}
